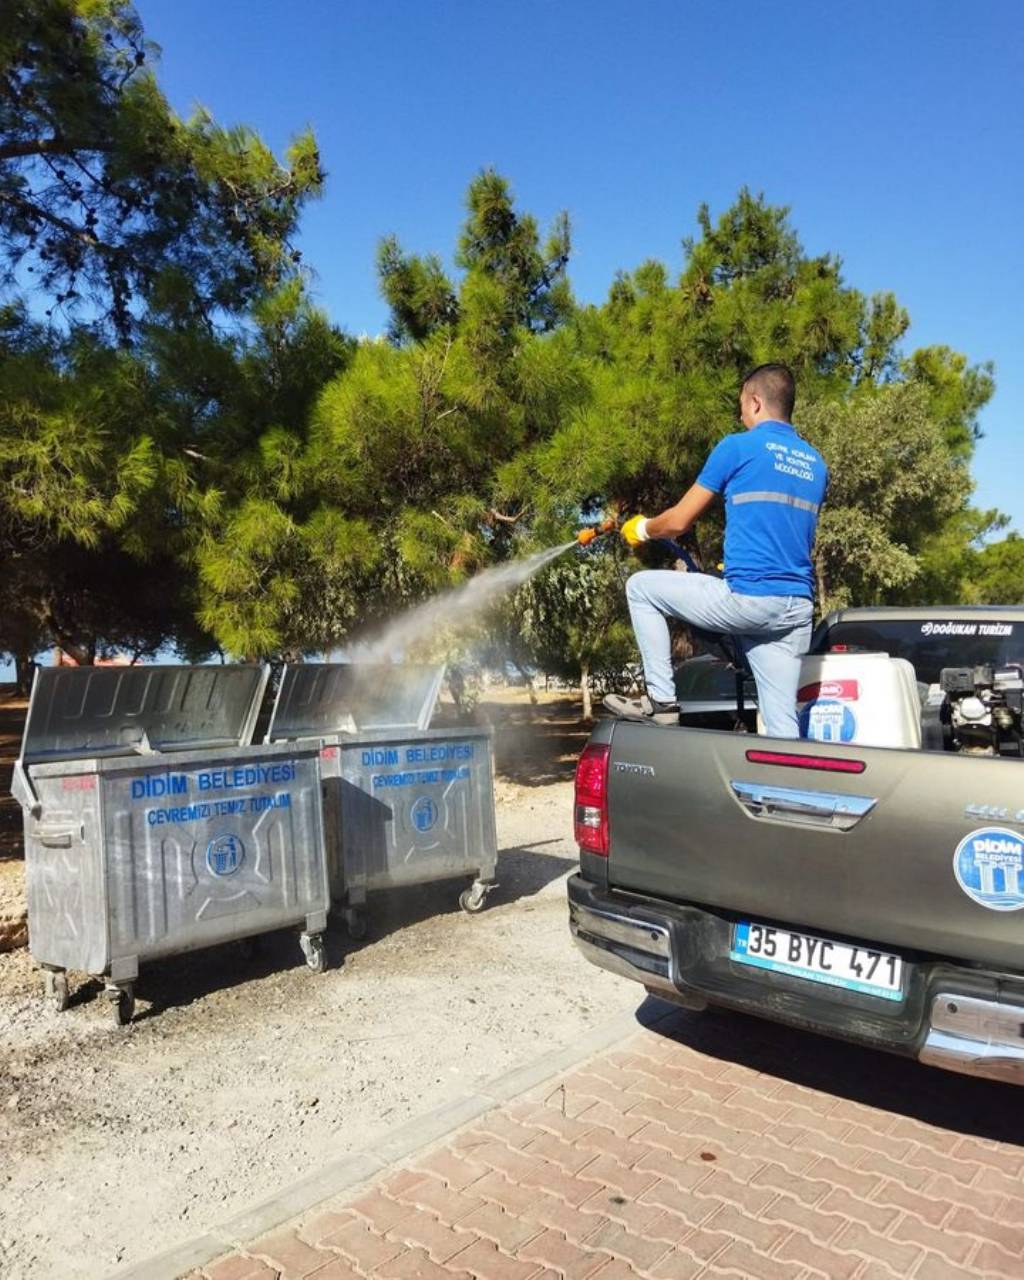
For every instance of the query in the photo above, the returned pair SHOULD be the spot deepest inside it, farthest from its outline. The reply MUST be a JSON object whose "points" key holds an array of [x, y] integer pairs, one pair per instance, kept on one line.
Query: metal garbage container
{"points": [[153, 827], [404, 803]]}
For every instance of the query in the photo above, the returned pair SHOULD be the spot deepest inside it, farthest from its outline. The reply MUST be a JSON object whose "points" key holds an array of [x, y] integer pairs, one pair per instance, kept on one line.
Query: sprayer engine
{"points": [[982, 709]]}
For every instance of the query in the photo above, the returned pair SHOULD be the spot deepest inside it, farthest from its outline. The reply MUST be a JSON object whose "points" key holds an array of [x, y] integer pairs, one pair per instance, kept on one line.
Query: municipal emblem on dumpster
{"points": [[989, 867], [424, 813], [224, 855]]}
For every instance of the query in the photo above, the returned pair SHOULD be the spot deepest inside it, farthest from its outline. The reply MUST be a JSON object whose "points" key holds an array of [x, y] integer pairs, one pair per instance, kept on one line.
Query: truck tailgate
{"points": [[699, 816]]}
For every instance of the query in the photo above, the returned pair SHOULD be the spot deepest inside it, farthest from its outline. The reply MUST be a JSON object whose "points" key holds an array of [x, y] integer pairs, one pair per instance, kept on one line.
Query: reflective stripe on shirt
{"points": [[765, 495]]}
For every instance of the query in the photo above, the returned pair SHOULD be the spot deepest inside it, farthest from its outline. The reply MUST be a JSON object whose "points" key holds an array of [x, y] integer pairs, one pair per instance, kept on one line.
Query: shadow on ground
{"points": [[181, 980], [961, 1104]]}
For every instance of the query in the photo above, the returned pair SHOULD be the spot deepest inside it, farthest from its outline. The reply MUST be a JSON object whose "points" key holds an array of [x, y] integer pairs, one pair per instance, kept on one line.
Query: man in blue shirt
{"points": [[773, 484]]}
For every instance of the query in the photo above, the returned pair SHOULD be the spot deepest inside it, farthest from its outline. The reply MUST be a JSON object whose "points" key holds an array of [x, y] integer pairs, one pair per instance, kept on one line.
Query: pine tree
{"points": [[109, 201]]}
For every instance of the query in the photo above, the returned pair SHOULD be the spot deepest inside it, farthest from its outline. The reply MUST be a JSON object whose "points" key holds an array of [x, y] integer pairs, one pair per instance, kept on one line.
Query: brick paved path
{"points": [[723, 1148]]}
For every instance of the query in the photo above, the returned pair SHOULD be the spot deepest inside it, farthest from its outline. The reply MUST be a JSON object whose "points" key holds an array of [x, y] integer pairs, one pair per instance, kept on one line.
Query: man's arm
{"points": [[678, 519]]}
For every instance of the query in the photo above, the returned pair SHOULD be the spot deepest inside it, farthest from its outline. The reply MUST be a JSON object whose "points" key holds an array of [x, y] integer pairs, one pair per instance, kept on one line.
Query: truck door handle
{"points": [[835, 810]]}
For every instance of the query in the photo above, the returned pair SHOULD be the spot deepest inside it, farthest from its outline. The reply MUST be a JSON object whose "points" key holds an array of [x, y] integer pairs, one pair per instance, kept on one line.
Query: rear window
{"points": [[933, 644], [705, 679]]}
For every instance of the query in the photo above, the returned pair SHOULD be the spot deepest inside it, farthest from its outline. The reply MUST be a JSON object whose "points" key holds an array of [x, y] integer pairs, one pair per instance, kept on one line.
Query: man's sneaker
{"points": [[645, 709]]}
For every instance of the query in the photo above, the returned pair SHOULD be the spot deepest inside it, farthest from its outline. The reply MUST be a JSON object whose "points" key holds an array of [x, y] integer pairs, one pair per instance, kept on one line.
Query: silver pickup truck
{"points": [[874, 893]]}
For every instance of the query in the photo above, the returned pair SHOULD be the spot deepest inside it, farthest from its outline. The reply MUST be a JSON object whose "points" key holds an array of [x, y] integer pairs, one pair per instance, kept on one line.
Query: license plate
{"points": [[836, 964]]}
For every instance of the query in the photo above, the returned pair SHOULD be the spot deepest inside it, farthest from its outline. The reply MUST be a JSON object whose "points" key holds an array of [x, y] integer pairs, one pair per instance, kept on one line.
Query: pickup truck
{"points": [[873, 893]]}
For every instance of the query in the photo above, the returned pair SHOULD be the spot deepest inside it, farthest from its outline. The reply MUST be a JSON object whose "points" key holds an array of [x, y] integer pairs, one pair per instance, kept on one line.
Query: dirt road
{"points": [[240, 1074]]}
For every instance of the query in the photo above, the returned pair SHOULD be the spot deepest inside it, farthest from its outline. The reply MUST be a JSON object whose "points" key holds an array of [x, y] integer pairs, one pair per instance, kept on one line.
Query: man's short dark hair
{"points": [[776, 386]]}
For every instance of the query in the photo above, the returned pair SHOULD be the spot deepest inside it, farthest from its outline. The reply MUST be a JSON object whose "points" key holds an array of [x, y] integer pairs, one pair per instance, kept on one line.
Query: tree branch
{"points": [[55, 146], [38, 211], [504, 519]]}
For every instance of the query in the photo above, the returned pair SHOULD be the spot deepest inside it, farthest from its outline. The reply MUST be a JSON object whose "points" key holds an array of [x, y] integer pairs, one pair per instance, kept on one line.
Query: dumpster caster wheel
{"points": [[474, 898], [55, 986], [122, 1004], [313, 949], [355, 923]]}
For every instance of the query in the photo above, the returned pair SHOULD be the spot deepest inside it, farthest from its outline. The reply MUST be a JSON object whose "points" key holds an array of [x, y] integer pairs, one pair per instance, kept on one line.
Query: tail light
{"points": [[591, 804]]}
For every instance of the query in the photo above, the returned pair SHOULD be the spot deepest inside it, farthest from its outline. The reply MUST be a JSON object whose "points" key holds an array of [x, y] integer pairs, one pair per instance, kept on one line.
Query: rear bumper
{"points": [[962, 1019]]}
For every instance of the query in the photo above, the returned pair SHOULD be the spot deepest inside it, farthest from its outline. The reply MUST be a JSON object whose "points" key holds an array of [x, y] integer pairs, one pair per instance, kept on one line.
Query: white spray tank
{"points": [[866, 698]]}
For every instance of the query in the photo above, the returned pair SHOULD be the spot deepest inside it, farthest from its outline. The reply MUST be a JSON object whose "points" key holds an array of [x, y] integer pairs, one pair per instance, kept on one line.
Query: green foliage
{"points": [[146, 454], [511, 282], [947, 564], [503, 246], [957, 392], [964, 563], [124, 461], [107, 196], [96, 601], [269, 552], [91, 509], [417, 290], [893, 484], [403, 444], [269, 584], [998, 576], [570, 620], [73, 460]]}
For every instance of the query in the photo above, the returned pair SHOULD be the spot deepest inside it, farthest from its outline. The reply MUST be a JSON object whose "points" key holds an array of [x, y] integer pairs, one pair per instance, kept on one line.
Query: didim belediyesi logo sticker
{"points": [[989, 867]]}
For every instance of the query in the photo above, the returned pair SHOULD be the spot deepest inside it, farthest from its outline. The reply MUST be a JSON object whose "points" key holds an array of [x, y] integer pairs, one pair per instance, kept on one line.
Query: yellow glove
{"points": [[635, 530]]}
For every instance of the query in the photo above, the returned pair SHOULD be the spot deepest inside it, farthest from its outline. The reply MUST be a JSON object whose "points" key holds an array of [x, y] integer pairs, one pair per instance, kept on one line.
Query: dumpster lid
{"points": [[81, 712], [322, 698]]}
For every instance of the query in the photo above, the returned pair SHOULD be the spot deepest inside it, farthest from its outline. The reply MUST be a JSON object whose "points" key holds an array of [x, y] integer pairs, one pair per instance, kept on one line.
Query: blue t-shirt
{"points": [[773, 484]]}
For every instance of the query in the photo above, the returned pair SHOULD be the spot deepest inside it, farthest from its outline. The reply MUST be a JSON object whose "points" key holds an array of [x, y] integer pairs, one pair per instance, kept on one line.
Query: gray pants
{"points": [[773, 631]]}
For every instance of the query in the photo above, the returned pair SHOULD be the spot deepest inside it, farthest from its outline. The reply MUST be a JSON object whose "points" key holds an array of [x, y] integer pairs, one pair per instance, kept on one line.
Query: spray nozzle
{"points": [[586, 536]]}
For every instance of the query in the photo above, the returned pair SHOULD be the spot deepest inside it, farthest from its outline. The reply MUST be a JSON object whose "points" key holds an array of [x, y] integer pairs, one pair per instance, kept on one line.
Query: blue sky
{"points": [[893, 130]]}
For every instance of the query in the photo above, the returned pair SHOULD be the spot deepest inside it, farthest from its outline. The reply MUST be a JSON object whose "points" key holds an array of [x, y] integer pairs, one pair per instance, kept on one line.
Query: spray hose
{"points": [[587, 536]]}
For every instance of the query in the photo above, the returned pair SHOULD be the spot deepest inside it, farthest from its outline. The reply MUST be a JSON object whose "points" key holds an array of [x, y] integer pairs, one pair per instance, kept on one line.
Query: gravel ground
{"points": [[13, 925], [243, 1073]]}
